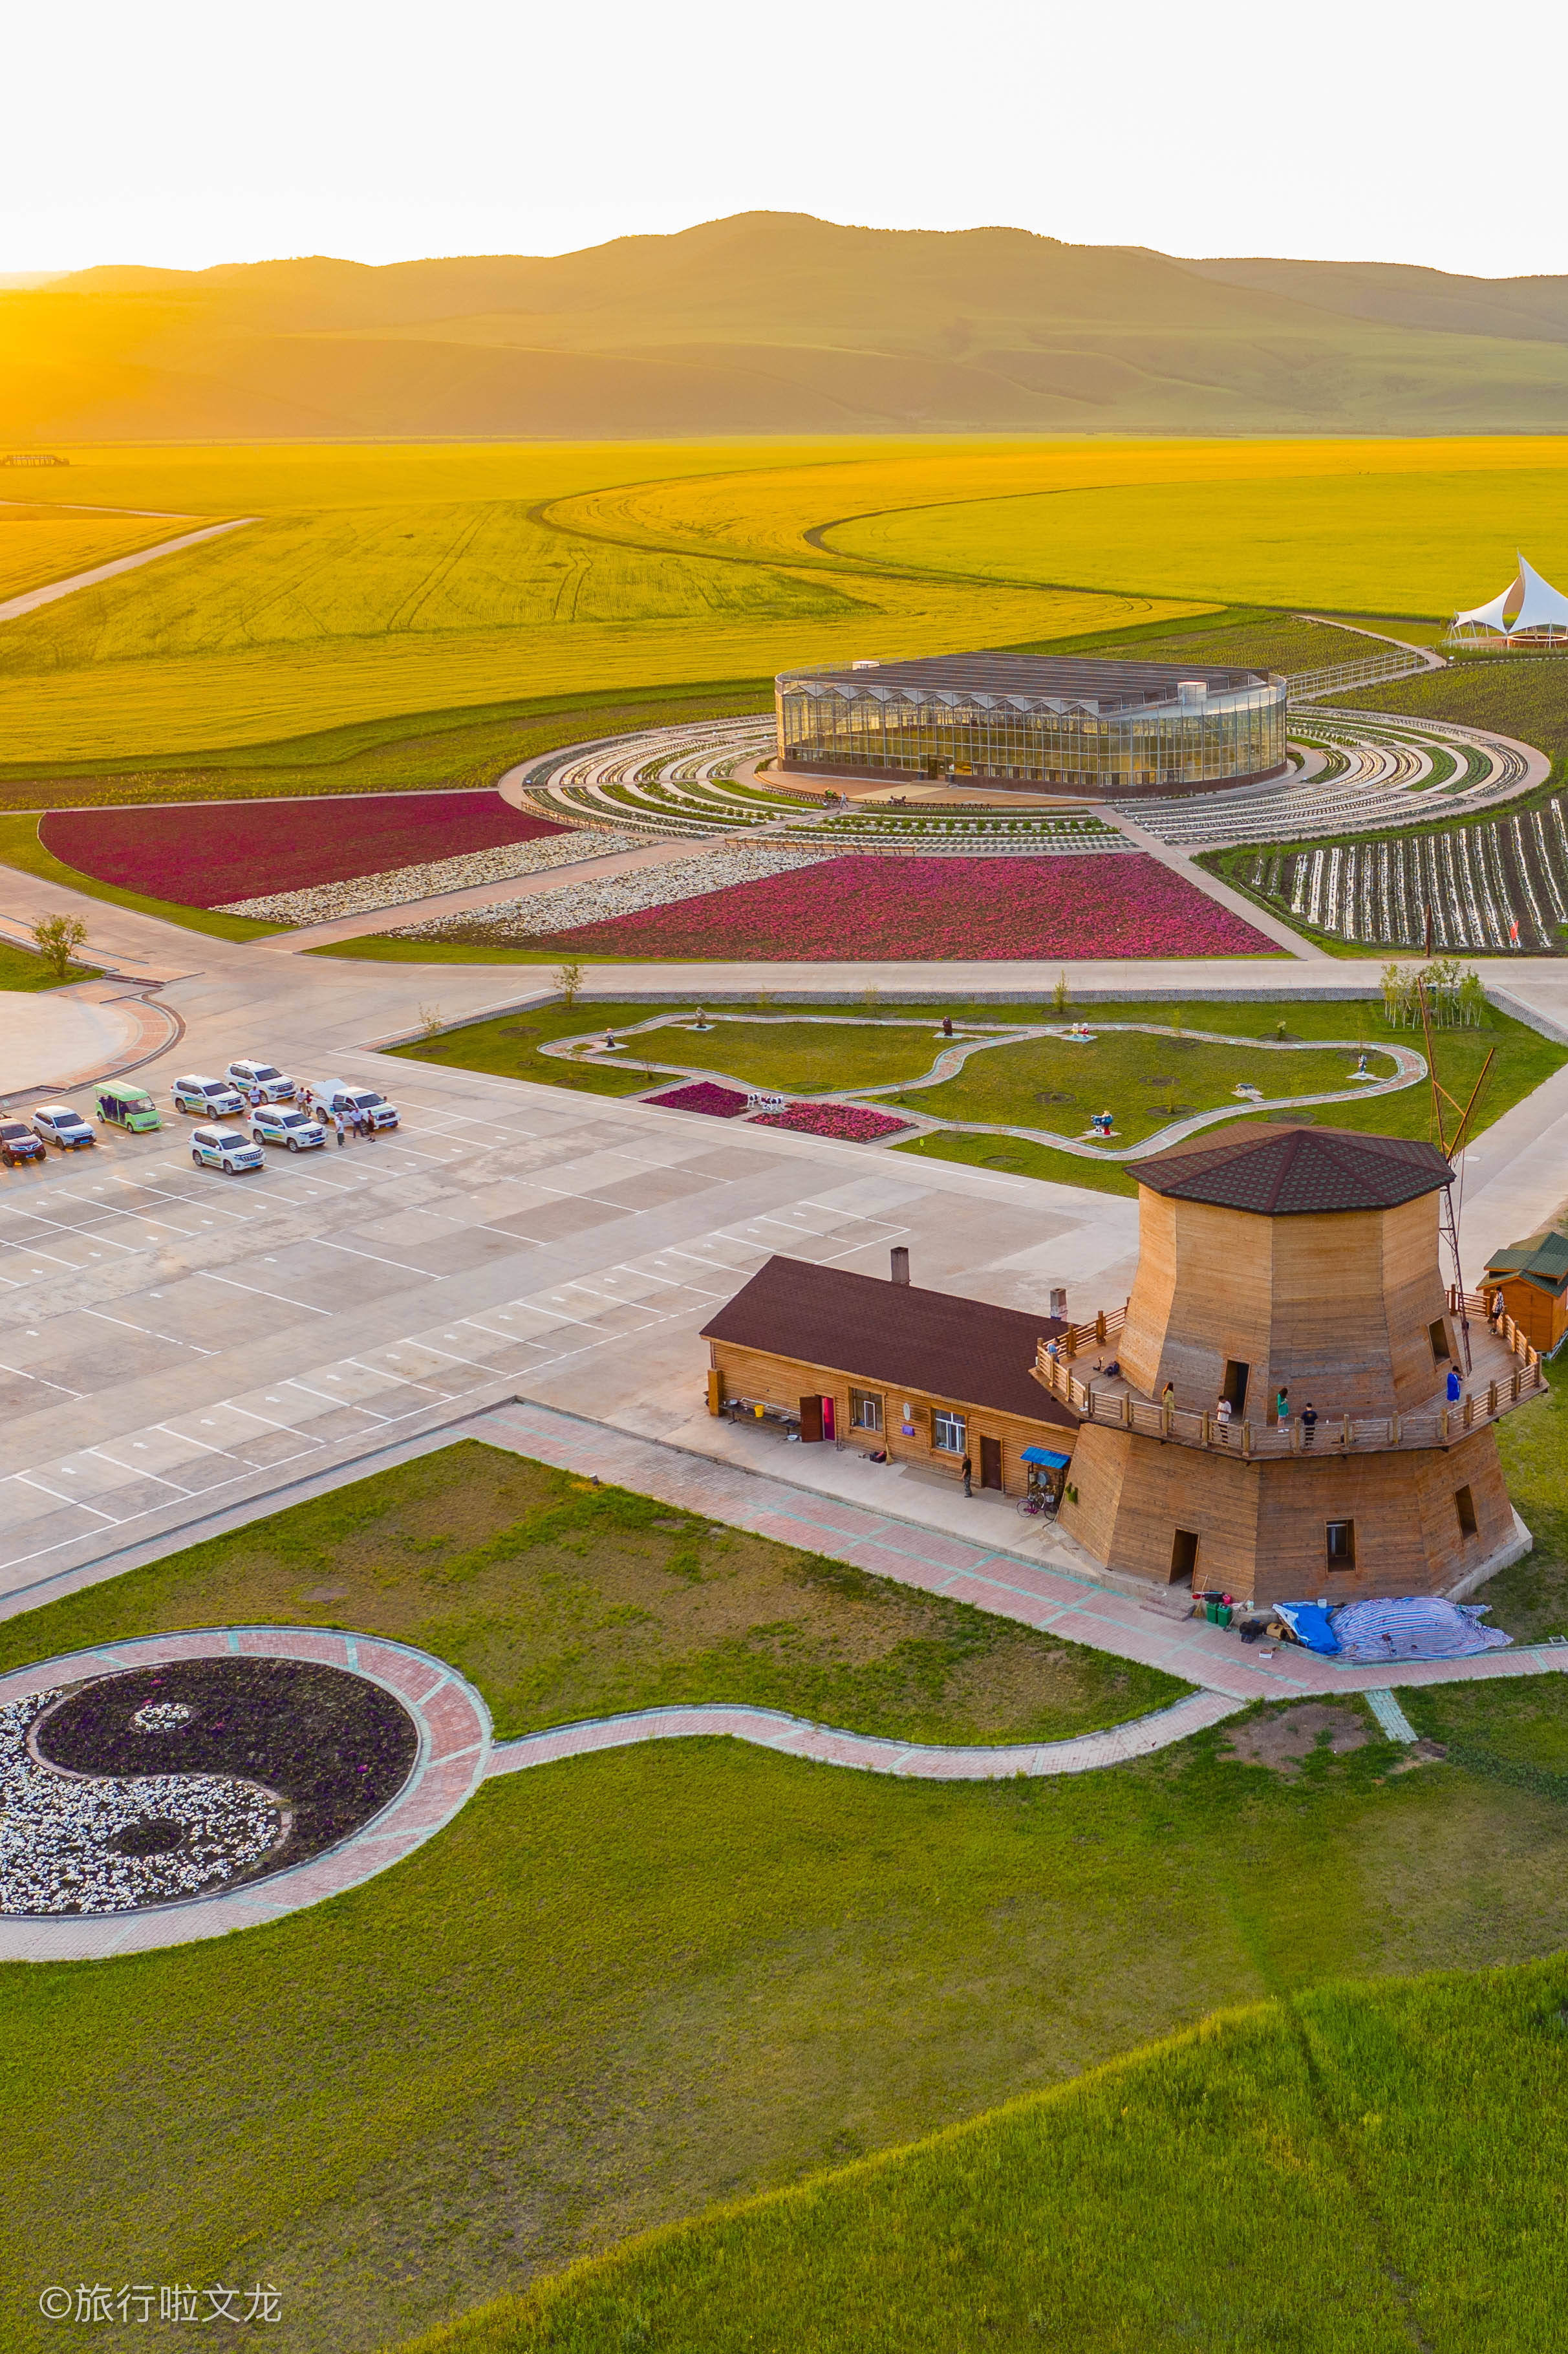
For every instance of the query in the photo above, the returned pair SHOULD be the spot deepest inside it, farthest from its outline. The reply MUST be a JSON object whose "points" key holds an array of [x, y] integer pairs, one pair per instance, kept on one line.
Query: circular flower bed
{"points": [[166, 1783], [850, 1123]]}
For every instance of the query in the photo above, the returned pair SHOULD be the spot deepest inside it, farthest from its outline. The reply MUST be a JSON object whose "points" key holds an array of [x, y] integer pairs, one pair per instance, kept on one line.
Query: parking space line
{"points": [[63, 1496], [349, 1248], [282, 1298], [140, 1471], [22, 1374], [104, 1317]]}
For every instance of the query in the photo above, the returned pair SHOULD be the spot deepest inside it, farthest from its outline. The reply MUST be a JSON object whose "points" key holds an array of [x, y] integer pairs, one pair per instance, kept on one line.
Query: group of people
{"points": [[360, 1118], [1224, 1411]]}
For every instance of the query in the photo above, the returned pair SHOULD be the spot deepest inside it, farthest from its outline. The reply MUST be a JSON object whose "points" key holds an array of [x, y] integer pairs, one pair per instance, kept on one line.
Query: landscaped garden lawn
{"points": [[205, 857], [874, 1047], [561, 1600], [615, 1990], [921, 909], [19, 969], [21, 847]]}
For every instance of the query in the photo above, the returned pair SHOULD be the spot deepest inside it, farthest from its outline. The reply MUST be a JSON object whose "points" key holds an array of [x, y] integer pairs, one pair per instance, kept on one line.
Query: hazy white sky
{"points": [[186, 134]]}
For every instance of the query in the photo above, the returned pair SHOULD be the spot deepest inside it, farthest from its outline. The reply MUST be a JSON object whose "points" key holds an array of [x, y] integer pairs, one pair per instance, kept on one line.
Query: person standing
{"points": [[1453, 1386], [969, 1476], [1282, 1407], [1167, 1397], [337, 1123], [1308, 1422]]}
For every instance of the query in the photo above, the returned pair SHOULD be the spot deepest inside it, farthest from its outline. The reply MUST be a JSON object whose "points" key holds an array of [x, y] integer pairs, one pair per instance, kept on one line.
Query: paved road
{"points": [[13, 608]]}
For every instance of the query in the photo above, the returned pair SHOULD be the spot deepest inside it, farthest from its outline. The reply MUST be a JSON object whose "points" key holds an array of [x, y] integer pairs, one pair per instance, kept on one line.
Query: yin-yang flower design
{"points": [[163, 1784]]}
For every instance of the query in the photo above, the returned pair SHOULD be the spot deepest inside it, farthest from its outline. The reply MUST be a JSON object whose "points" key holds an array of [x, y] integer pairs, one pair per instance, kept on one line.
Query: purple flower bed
{"points": [[922, 909], [850, 1123], [206, 854], [703, 1095]]}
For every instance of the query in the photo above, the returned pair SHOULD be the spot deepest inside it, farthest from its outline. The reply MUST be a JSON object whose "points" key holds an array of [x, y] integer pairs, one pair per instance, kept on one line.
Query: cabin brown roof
{"points": [[1296, 1172], [895, 1334]]}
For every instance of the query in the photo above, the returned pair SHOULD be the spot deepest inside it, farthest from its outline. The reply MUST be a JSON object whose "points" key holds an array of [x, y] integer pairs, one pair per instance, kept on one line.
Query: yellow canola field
{"points": [[36, 548], [185, 705], [379, 583], [1376, 527]]}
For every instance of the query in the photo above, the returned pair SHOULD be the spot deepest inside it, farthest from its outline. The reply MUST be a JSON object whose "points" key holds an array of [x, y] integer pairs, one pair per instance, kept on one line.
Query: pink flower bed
{"points": [[1121, 905], [206, 854], [703, 1095], [850, 1123]]}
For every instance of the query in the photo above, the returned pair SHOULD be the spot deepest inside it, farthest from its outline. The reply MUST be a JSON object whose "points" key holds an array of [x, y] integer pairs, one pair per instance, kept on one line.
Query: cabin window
{"points": [[865, 1410], [1233, 1389], [1465, 1505], [948, 1431], [1341, 1544], [1439, 1335]]}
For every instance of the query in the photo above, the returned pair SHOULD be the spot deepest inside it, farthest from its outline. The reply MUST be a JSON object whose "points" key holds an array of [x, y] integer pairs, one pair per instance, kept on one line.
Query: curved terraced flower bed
{"points": [[847, 1123], [704, 1095], [160, 1784], [210, 853], [921, 910]]}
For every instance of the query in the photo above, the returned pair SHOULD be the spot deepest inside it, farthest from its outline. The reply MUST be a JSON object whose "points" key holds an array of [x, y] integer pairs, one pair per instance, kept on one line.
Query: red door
{"points": [[829, 1428]]}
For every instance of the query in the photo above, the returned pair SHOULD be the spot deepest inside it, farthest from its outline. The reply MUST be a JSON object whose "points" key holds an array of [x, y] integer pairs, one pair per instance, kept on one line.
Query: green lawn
{"points": [[1015, 1085], [1291, 2176], [561, 1600], [20, 969], [618, 1989]]}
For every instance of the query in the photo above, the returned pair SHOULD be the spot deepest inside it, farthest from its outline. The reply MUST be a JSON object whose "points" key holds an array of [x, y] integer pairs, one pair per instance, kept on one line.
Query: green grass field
{"points": [[616, 1991], [1346, 2125], [562, 1601]]}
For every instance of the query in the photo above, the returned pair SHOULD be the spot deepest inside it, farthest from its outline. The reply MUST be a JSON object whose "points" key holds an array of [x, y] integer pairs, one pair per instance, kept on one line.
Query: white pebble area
{"points": [[590, 902], [325, 902], [56, 1831]]}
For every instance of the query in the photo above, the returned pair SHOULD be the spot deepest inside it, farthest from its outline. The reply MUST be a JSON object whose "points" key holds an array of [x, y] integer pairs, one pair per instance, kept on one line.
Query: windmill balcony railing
{"points": [[1505, 1372]]}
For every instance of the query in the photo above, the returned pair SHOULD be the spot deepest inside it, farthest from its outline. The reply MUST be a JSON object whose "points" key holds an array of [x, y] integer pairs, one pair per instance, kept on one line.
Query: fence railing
{"points": [[1307, 685], [1484, 1401]]}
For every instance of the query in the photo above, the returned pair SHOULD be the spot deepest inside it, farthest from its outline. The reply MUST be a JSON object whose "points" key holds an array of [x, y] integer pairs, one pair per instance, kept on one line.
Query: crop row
{"points": [[1503, 885]]}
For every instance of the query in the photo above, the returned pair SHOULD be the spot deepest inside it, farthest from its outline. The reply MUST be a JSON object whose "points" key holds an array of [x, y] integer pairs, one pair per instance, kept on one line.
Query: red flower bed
{"points": [[206, 854], [703, 1095], [850, 1123], [1123, 904]]}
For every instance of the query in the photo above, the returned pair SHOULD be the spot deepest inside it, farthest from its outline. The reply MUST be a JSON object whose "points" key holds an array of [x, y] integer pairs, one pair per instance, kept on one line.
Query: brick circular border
{"points": [[454, 1749]]}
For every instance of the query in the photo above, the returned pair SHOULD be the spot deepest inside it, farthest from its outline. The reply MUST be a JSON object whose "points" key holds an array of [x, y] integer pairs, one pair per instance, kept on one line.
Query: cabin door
{"points": [[991, 1462], [811, 1417]]}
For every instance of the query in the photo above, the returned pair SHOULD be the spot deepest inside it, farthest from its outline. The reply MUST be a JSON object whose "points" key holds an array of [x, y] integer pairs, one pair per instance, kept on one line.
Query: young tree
{"points": [[568, 980], [59, 939]]}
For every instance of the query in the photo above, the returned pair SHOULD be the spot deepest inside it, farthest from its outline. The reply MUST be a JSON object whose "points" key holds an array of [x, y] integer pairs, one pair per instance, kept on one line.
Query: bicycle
{"points": [[1038, 1506]]}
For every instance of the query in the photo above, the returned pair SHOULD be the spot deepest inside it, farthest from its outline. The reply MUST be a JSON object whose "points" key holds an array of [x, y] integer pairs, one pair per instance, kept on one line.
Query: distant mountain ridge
{"points": [[777, 322]]}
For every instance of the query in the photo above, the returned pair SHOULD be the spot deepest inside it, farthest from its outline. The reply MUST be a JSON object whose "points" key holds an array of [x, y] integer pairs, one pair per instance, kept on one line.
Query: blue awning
{"points": [[1044, 1455]]}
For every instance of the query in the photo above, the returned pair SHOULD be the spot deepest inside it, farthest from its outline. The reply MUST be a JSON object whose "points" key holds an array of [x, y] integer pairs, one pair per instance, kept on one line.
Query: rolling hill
{"points": [[773, 322]]}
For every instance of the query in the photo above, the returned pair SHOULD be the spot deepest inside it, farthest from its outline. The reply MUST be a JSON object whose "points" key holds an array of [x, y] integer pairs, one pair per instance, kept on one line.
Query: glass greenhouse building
{"points": [[1100, 727]]}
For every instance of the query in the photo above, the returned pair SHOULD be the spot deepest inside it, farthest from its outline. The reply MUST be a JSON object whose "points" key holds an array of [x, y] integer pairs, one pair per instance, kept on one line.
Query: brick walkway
{"points": [[1211, 1658]]}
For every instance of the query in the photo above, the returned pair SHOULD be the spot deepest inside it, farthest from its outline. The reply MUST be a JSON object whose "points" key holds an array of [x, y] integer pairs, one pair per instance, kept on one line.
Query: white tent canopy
{"points": [[1527, 603]]}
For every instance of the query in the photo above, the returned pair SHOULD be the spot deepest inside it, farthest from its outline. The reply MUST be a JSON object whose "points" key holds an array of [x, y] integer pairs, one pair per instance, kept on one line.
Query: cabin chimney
{"points": [[1059, 1305], [900, 1263]]}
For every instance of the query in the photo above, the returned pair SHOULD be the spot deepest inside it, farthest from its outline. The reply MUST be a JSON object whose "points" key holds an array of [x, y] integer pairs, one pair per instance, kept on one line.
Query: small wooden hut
{"points": [[1532, 1282]]}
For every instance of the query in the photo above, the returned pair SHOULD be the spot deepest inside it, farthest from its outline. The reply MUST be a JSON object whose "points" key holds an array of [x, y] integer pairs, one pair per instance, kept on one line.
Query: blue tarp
{"points": [[1044, 1455], [1310, 1625]]}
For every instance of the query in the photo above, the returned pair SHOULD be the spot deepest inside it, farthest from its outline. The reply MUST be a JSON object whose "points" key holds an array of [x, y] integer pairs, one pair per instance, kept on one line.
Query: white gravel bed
{"points": [[323, 902], [590, 902], [57, 1833]]}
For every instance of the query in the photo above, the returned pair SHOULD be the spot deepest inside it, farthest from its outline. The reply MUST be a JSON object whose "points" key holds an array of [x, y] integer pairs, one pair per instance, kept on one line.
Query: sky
{"points": [[184, 135]]}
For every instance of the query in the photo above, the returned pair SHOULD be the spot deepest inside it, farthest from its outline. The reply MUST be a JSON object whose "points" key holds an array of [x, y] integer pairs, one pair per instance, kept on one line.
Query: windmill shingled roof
{"points": [[1298, 1171]]}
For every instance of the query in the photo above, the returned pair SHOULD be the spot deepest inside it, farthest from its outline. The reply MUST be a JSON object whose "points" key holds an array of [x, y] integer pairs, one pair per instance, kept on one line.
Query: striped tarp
{"points": [[1417, 1627]]}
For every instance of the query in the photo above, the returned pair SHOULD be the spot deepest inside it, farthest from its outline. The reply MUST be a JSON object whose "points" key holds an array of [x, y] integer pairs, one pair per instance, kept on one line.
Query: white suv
{"points": [[327, 1098], [224, 1148], [282, 1124], [208, 1099], [265, 1078]]}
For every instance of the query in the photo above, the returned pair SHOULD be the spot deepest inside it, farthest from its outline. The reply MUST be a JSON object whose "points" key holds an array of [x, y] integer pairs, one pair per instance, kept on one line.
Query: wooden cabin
{"points": [[1303, 1259], [929, 1377], [1532, 1280]]}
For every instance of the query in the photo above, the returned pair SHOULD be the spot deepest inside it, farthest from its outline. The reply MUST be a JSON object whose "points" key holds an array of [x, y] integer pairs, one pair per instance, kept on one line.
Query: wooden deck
{"points": [[1505, 1372]]}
